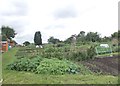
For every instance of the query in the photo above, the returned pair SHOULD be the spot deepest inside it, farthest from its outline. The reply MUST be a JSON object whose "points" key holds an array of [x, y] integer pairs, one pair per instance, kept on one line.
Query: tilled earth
{"points": [[104, 65]]}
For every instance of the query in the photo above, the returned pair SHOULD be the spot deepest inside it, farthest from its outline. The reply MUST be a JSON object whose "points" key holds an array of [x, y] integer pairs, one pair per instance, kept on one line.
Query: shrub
{"points": [[56, 66], [91, 52], [60, 45], [82, 56], [79, 55], [115, 49]]}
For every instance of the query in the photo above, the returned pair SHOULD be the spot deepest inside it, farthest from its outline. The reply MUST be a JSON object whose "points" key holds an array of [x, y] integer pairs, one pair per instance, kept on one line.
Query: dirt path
{"points": [[106, 65]]}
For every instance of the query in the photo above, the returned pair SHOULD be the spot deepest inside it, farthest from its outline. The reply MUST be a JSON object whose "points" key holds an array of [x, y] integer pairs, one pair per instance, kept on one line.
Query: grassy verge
{"points": [[8, 57], [15, 77]]}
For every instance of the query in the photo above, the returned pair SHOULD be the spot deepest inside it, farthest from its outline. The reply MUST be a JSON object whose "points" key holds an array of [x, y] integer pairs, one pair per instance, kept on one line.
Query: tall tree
{"points": [[114, 35], [82, 33], [37, 38], [81, 36], [4, 38], [7, 32], [93, 36], [106, 39], [53, 40], [69, 40]]}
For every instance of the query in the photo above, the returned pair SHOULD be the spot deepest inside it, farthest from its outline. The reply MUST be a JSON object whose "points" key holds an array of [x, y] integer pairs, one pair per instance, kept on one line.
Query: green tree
{"points": [[69, 40], [7, 32], [37, 38], [91, 36], [106, 39], [81, 36], [26, 43], [4, 38], [82, 33], [53, 40], [114, 35]]}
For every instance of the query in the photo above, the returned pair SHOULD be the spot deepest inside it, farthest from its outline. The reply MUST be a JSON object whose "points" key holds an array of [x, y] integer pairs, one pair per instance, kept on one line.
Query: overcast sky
{"points": [[59, 18]]}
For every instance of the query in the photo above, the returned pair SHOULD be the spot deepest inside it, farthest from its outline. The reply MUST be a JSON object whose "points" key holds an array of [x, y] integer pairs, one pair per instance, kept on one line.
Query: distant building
{"points": [[4, 46]]}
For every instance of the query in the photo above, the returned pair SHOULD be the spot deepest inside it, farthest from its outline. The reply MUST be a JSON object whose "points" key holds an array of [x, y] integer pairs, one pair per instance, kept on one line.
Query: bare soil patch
{"points": [[105, 65]]}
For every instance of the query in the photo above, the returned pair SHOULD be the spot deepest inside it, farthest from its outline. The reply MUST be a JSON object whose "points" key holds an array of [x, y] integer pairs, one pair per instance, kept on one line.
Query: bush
{"points": [[82, 54], [60, 45], [78, 56], [91, 53], [115, 48], [25, 64], [56, 66]]}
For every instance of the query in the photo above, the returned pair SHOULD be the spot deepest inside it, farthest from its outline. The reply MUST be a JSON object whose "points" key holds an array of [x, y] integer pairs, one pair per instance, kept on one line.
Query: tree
{"points": [[114, 35], [37, 38], [91, 36], [106, 39], [53, 40], [81, 36], [26, 43], [82, 33], [7, 32], [4, 38]]}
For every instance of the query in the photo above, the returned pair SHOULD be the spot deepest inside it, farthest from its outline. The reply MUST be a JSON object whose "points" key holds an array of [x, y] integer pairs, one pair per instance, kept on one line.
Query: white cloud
{"points": [[59, 18]]}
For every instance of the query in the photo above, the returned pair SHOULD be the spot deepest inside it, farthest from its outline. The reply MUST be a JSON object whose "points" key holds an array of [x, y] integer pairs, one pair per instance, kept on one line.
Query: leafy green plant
{"points": [[56, 66], [25, 64]]}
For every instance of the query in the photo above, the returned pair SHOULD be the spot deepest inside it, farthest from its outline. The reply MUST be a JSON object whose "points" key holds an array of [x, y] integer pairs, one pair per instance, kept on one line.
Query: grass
{"points": [[9, 57], [30, 78], [15, 77]]}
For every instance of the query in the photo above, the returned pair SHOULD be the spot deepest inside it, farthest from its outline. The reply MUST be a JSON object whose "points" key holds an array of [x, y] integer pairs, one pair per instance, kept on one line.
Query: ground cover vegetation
{"points": [[62, 60]]}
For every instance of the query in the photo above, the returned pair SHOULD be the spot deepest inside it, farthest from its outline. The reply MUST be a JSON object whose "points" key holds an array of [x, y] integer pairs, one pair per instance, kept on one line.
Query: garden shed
{"points": [[4, 46]]}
